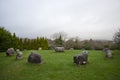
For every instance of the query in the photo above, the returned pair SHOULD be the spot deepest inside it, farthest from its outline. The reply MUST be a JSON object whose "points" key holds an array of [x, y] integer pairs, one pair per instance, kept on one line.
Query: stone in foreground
{"points": [[81, 59], [34, 58]]}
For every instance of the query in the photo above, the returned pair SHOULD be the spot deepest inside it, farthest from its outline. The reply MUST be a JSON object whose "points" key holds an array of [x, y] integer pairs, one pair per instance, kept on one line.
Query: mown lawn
{"points": [[59, 66]]}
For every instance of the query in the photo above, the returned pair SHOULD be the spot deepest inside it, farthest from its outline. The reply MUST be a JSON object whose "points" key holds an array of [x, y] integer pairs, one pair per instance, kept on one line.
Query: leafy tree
{"points": [[20, 45], [86, 45], [59, 38], [44, 43], [15, 41], [59, 41], [34, 43], [57, 35], [69, 44], [116, 38], [77, 43], [5, 39]]}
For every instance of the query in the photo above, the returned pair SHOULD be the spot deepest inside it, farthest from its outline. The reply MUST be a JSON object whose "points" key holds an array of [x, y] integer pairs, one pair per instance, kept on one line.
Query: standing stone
{"points": [[59, 49], [78, 59], [10, 52], [85, 57], [34, 58], [105, 49], [19, 54], [39, 48], [108, 53], [81, 59], [71, 49]]}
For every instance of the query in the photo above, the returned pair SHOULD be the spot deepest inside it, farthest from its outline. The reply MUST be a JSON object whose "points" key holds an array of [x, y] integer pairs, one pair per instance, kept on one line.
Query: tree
{"points": [[86, 45], [69, 43], [57, 35], [20, 44], [59, 38], [15, 41], [59, 41], [5, 39], [44, 43], [116, 38], [77, 44]]}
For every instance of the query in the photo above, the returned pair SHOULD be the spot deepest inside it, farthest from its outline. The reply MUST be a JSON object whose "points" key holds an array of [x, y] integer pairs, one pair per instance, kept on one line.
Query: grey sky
{"points": [[96, 19]]}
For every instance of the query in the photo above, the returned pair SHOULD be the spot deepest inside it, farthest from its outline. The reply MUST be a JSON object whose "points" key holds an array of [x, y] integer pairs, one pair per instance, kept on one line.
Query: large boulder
{"points": [[34, 58], [78, 59], [81, 58], [10, 52], [59, 49], [19, 54]]}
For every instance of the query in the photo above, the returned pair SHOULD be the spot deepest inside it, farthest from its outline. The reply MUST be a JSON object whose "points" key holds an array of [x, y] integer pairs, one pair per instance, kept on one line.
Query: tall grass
{"points": [[59, 66]]}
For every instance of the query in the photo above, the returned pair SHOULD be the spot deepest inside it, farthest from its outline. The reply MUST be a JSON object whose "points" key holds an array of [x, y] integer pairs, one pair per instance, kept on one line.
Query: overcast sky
{"points": [[96, 19]]}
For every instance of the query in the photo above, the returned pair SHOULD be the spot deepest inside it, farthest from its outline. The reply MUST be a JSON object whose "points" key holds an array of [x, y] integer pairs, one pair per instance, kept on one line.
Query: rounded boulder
{"points": [[10, 52], [34, 58]]}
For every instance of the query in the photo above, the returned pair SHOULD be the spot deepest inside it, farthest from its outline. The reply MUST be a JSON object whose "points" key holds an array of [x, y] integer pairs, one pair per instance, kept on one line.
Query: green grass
{"points": [[59, 66]]}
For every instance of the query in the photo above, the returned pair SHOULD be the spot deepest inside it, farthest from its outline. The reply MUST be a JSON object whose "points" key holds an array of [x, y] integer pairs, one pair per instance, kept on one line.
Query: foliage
{"points": [[59, 38], [57, 35], [77, 44], [88, 44], [29, 44], [7, 40], [116, 38], [59, 41], [15, 41], [60, 67]]}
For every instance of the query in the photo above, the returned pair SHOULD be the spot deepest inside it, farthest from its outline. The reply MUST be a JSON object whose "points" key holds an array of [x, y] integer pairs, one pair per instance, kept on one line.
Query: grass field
{"points": [[59, 66]]}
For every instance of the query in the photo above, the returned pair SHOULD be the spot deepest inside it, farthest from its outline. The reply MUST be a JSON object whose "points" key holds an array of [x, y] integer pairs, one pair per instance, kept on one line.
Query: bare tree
{"points": [[77, 43], [73, 42], [57, 35], [69, 43], [59, 38]]}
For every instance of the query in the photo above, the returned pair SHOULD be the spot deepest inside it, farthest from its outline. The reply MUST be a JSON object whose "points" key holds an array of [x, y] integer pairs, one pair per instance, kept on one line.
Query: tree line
{"points": [[76, 43], [8, 40]]}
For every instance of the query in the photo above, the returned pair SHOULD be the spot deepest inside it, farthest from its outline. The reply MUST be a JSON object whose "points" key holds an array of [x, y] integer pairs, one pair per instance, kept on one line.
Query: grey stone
{"points": [[105, 49], [108, 53], [81, 58], [10, 52], [19, 54], [71, 49], [40, 48], [59, 49], [34, 58]]}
